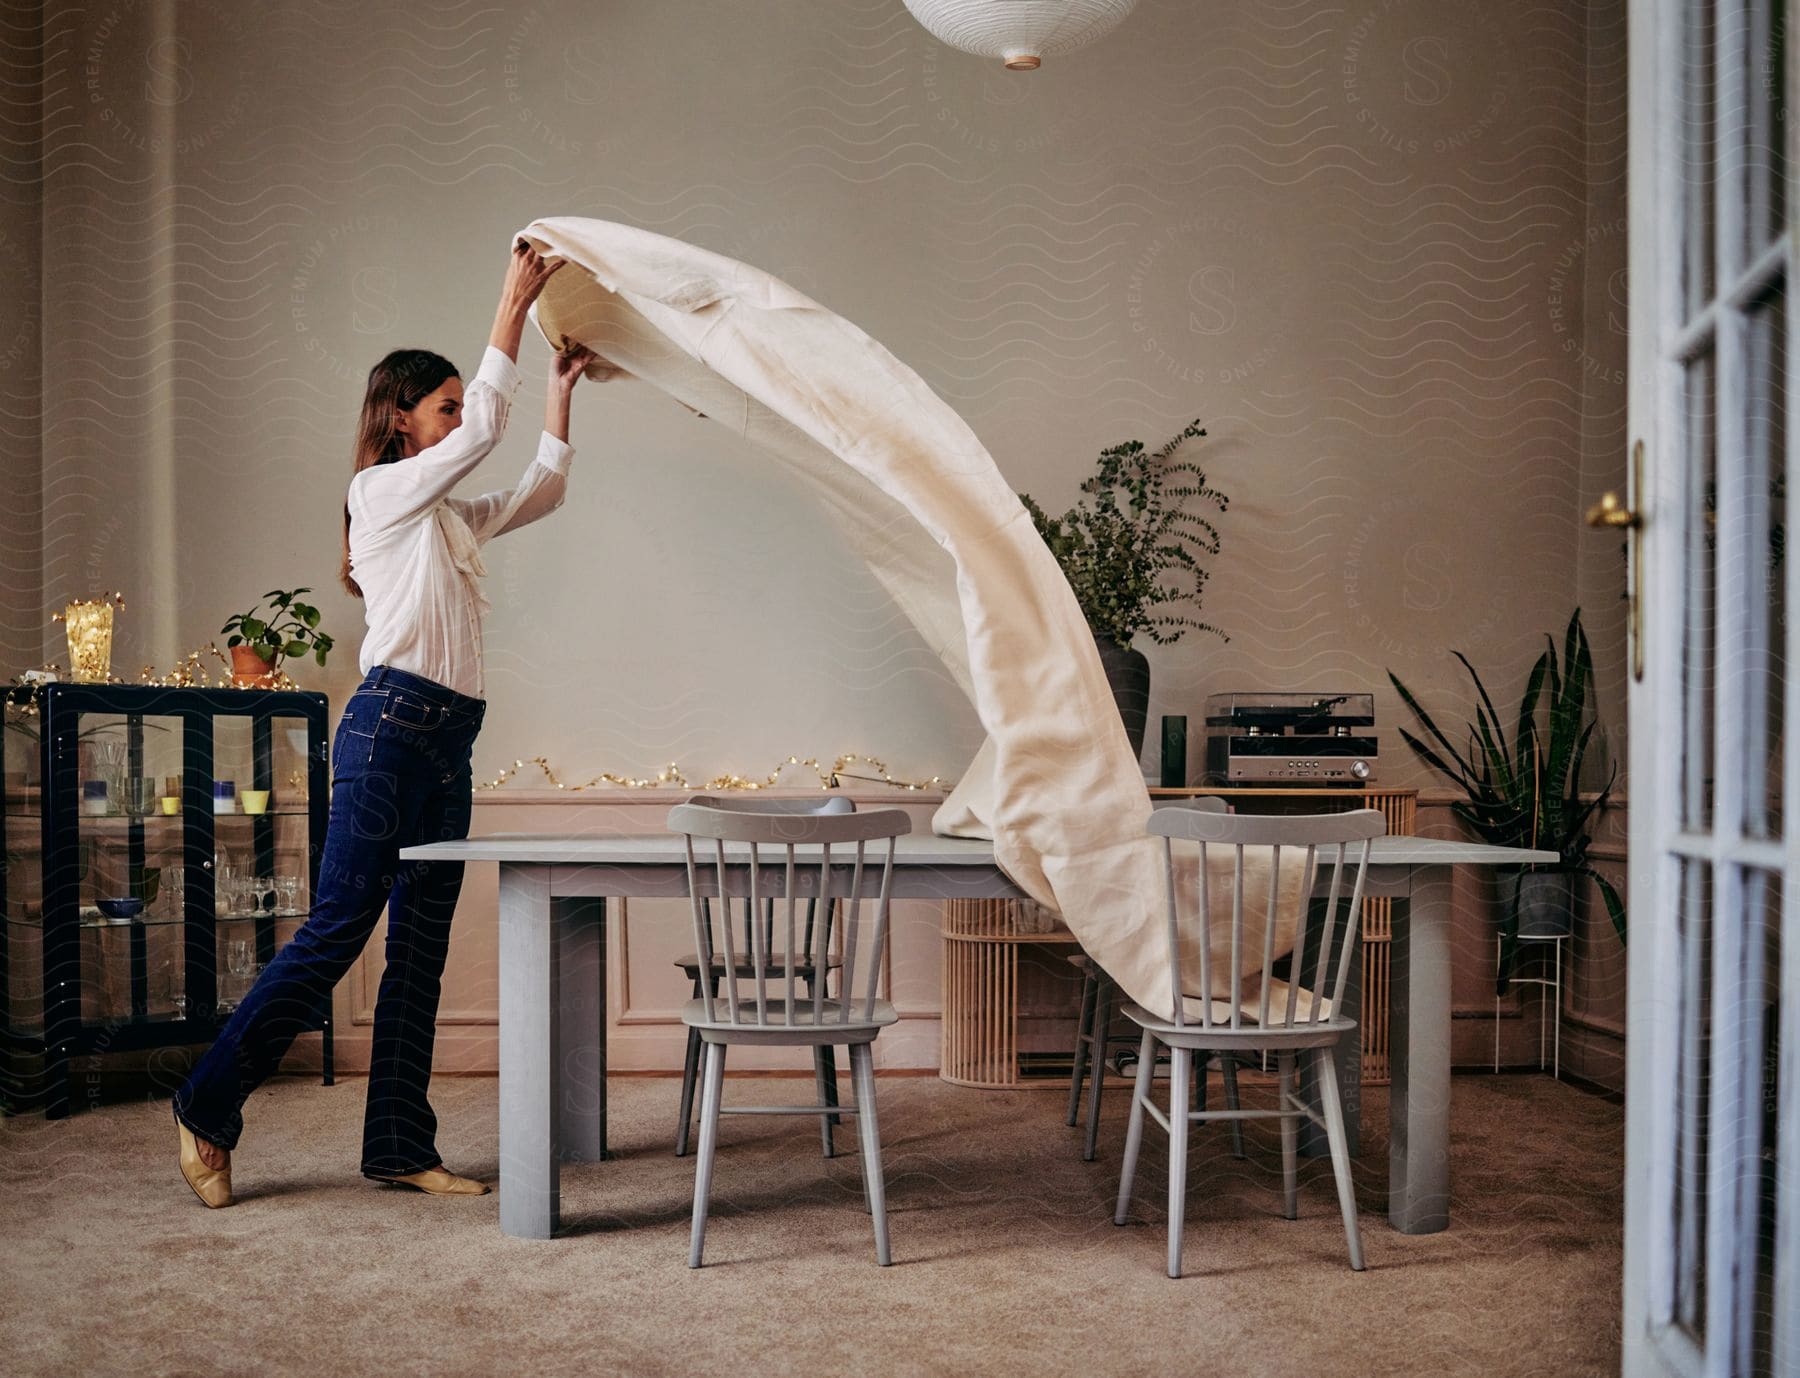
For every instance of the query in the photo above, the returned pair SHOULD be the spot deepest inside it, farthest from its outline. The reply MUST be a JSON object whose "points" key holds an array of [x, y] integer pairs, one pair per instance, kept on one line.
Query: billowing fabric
{"points": [[1055, 785]]}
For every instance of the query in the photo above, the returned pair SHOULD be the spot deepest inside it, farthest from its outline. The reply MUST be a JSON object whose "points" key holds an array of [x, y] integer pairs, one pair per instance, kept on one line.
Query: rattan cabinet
{"points": [[140, 823]]}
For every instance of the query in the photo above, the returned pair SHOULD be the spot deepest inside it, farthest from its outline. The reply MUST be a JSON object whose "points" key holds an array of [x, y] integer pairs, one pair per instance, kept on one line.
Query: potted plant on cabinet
{"points": [[1527, 792], [1130, 552], [259, 643]]}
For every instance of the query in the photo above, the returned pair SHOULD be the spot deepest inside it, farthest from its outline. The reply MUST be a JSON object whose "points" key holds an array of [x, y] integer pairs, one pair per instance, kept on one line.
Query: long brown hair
{"points": [[398, 383]]}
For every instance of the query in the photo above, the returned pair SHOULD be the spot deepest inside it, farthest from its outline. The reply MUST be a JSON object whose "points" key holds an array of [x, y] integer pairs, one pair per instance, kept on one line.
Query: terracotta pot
{"points": [[1128, 674], [249, 670]]}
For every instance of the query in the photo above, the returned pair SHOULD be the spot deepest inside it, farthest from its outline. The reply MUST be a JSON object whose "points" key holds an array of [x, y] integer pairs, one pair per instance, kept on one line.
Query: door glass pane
{"points": [[1694, 1023], [262, 880], [1763, 905], [21, 876], [1697, 130], [1767, 86], [1761, 572], [1758, 128], [129, 867], [1699, 581]]}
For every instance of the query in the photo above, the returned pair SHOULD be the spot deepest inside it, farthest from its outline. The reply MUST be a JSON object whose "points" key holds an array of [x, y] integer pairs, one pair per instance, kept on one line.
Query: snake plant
{"points": [[1525, 792]]}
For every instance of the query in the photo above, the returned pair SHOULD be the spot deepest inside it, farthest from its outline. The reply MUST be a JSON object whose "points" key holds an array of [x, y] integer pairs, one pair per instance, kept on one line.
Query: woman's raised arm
{"points": [[526, 275]]}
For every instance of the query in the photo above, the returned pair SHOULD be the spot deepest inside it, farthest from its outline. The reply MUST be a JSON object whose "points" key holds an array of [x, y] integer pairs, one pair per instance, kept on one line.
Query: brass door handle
{"points": [[1609, 511], [1612, 514]]}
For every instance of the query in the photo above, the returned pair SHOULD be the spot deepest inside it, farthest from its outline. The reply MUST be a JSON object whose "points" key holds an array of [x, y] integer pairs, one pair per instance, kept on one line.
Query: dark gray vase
{"points": [[1128, 674], [1546, 904]]}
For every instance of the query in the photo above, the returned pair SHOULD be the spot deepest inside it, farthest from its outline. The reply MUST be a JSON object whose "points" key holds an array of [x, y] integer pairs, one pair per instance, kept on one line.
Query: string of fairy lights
{"points": [[190, 672], [672, 776], [193, 671]]}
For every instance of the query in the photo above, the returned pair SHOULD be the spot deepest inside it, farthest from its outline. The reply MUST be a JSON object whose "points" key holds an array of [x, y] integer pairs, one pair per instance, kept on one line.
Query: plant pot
{"points": [[1546, 904], [1128, 673], [249, 670]]}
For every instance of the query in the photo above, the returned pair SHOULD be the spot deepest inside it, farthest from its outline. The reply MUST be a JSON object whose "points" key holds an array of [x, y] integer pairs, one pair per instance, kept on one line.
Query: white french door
{"points": [[1712, 1252]]}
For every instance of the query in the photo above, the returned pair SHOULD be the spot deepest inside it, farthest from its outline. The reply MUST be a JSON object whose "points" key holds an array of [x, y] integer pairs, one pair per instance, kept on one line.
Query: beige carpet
{"points": [[1006, 1259]]}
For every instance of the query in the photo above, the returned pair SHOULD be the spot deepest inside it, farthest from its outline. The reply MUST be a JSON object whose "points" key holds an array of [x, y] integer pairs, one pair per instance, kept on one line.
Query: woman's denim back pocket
{"points": [[411, 713], [354, 743]]}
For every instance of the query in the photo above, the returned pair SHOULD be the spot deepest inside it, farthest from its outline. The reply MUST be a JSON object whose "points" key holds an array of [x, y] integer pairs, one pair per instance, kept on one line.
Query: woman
{"points": [[400, 760]]}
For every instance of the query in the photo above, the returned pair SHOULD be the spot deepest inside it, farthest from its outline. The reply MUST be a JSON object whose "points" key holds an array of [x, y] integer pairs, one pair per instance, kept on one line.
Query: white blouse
{"points": [[415, 550]]}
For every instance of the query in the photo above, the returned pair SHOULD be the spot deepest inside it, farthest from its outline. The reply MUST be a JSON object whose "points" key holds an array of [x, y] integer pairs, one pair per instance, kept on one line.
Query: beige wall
{"points": [[21, 342], [1376, 249]]}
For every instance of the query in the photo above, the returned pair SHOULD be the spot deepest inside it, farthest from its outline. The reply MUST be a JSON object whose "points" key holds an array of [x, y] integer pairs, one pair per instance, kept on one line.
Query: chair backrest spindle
{"points": [[878, 949], [702, 912], [1175, 926], [788, 885], [1268, 944], [1237, 934], [1352, 919], [1308, 874], [731, 990]]}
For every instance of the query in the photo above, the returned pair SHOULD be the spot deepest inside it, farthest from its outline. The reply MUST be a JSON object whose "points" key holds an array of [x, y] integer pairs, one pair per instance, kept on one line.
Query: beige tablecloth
{"points": [[1054, 785]]}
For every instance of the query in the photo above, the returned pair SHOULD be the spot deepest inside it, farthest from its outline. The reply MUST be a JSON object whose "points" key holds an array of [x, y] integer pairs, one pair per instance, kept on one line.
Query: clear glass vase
{"points": [[90, 629]]}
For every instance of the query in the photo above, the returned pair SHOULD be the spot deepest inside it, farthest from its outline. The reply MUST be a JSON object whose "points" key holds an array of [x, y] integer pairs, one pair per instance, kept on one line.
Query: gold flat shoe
{"points": [[212, 1186], [436, 1181]]}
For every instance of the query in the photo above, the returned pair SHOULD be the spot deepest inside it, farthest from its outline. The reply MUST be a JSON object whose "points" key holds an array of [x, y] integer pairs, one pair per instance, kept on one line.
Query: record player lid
{"points": [[1308, 712]]}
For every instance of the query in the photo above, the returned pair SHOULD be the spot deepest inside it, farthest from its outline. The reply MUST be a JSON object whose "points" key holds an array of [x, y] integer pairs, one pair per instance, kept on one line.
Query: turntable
{"points": [[1290, 739]]}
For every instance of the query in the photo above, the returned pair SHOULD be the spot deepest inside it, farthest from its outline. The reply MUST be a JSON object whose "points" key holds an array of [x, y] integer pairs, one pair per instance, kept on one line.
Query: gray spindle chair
{"points": [[824, 1060], [1264, 1017], [1093, 1025], [822, 857]]}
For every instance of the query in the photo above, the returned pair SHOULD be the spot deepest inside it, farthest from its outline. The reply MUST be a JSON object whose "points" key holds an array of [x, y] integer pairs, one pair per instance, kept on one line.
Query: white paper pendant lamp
{"points": [[1021, 33]]}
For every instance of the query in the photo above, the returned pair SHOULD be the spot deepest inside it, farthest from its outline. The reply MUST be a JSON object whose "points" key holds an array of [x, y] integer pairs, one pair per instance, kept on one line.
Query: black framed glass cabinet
{"points": [[160, 844]]}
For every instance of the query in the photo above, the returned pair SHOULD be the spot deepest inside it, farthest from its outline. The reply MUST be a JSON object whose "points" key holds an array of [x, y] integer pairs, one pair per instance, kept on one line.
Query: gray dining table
{"points": [[553, 893]]}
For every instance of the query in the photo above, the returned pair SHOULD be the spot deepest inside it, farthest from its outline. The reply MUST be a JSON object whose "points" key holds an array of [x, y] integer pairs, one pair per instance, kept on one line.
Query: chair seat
{"points": [[746, 965], [804, 1030], [1251, 1034]]}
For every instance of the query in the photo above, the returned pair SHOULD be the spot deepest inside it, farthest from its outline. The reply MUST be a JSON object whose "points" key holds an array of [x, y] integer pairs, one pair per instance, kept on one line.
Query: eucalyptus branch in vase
{"points": [[1131, 550], [1131, 547]]}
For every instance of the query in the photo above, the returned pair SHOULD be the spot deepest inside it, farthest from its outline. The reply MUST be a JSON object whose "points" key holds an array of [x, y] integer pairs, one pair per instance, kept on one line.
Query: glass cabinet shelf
{"points": [[98, 920]]}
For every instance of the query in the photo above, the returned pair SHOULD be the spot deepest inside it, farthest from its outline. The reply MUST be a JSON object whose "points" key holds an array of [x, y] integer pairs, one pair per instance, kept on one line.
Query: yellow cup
{"points": [[255, 800], [171, 803]]}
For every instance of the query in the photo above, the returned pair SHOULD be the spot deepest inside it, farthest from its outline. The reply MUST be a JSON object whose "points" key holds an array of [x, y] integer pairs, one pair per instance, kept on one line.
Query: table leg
{"points": [[580, 1070], [1419, 1033], [530, 1181]]}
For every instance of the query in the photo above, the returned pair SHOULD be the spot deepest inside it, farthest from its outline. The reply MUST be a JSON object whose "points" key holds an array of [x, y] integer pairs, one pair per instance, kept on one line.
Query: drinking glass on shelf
{"points": [[140, 796], [240, 965], [288, 889], [171, 986], [241, 957], [173, 893], [110, 759], [227, 882], [263, 895]]}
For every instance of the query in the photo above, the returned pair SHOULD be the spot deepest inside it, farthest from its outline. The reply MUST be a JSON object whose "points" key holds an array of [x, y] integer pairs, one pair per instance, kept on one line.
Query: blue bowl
{"points": [[121, 909]]}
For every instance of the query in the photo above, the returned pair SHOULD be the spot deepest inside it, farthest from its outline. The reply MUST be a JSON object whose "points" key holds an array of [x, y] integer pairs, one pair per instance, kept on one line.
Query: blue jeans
{"points": [[400, 776]]}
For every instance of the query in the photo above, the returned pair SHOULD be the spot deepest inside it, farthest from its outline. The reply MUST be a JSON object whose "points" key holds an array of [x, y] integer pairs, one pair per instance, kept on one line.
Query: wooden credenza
{"points": [[982, 940]]}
